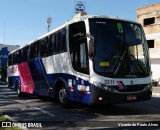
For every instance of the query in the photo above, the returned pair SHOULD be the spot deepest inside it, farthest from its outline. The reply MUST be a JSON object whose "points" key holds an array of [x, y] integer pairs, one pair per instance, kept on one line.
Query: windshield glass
{"points": [[120, 48]]}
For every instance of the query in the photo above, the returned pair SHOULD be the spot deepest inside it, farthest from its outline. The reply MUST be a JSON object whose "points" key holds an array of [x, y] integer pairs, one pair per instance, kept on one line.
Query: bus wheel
{"points": [[62, 97], [18, 89]]}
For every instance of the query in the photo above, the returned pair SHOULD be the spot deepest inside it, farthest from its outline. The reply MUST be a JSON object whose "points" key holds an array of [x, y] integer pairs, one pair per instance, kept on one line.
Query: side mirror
{"points": [[91, 45], [91, 48]]}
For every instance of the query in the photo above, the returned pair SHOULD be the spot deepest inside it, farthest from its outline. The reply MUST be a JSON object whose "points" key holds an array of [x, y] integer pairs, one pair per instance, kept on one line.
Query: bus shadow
{"points": [[77, 115], [140, 108]]}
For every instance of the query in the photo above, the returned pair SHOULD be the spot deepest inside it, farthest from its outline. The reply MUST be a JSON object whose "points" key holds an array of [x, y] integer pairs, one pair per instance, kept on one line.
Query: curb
{"points": [[13, 120]]}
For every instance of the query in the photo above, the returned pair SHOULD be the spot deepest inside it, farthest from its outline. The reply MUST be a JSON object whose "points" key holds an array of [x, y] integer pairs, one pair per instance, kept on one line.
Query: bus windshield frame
{"points": [[120, 48]]}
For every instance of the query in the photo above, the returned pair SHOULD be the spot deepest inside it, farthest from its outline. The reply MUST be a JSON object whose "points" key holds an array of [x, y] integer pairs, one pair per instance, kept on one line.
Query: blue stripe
{"points": [[42, 81], [39, 76]]}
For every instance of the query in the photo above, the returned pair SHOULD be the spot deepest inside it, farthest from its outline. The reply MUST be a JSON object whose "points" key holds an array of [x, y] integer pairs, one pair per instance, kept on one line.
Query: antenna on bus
{"points": [[49, 21]]}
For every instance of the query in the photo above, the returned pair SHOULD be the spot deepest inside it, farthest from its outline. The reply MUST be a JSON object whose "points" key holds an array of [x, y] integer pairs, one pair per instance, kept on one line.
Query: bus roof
{"points": [[77, 19]]}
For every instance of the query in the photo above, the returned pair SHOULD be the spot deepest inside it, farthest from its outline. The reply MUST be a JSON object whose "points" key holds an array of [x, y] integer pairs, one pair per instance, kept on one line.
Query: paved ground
{"points": [[34, 109], [156, 89]]}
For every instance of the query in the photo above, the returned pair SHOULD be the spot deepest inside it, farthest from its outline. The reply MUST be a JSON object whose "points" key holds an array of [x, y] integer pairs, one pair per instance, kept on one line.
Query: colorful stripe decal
{"points": [[120, 84], [26, 78]]}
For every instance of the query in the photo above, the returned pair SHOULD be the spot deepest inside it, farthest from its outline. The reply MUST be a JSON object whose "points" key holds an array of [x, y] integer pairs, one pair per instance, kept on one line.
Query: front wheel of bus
{"points": [[62, 96]]}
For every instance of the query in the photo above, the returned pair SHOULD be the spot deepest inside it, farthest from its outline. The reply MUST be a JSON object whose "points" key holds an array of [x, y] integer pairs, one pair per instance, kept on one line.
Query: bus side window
{"points": [[63, 40], [22, 54], [41, 48], [38, 48], [10, 59], [32, 51], [79, 57], [58, 42], [44, 47], [19, 56], [25, 53], [29, 53], [16, 57], [52, 44], [78, 47], [13, 59]]}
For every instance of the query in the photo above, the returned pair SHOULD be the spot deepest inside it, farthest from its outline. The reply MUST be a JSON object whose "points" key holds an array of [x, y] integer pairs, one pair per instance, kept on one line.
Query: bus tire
{"points": [[62, 96], [18, 89]]}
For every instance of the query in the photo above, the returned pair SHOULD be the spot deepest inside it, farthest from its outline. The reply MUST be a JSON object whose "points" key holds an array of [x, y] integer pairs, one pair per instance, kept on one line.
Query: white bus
{"points": [[90, 59]]}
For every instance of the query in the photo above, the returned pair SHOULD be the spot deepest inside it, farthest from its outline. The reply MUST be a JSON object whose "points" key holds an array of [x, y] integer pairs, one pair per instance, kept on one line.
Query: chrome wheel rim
{"points": [[62, 96]]}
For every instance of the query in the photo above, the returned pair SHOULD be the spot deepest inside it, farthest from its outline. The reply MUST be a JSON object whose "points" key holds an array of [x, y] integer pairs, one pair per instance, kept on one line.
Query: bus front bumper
{"points": [[102, 96]]}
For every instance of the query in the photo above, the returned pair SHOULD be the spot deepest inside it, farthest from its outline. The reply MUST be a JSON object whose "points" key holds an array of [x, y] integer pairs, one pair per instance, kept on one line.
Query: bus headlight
{"points": [[149, 86], [98, 84], [103, 86]]}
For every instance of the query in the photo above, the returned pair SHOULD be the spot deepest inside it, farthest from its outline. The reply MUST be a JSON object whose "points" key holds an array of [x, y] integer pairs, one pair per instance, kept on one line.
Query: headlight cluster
{"points": [[103, 86], [149, 86]]}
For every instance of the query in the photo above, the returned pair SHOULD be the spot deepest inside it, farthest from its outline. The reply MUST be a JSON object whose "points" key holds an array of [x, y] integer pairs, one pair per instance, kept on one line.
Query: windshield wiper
{"points": [[120, 62], [139, 66], [136, 63]]}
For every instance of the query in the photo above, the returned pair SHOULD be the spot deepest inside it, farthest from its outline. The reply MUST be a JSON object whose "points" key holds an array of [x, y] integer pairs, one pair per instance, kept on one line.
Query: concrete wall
{"points": [[152, 11], [152, 32], [4, 51]]}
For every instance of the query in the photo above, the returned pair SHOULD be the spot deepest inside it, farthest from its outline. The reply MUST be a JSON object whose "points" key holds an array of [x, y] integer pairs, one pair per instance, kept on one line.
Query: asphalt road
{"points": [[48, 115]]}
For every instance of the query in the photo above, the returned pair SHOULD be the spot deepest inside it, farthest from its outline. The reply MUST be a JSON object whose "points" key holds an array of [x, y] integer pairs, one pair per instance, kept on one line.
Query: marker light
{"points": [[100, 98]]}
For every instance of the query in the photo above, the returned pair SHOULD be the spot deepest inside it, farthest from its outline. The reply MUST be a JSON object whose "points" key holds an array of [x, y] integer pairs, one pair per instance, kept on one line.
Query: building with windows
{"points": [[4, 51], [149, 18]]}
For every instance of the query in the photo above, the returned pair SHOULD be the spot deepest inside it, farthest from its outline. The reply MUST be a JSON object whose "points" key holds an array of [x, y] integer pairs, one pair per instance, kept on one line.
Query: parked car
{"points": [[154, 83]]}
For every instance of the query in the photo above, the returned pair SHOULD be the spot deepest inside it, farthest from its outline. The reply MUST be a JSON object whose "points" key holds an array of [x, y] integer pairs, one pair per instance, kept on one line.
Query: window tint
{"points": [[10, 59], [38, 48], [57, 43], [24, 53], [16, 57], [63, 40], [52, 44], [78, 47], [77, 31], [33, 50], [19, 56], [79, 56], [43, 47]]}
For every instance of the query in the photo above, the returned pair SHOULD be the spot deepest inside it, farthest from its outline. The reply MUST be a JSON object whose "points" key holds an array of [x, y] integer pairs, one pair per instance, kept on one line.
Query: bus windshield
{"points": [[120, 48]]}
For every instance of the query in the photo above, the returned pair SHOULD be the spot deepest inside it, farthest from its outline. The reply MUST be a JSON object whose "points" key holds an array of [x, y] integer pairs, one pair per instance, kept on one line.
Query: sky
{"points": [[22, 21]]}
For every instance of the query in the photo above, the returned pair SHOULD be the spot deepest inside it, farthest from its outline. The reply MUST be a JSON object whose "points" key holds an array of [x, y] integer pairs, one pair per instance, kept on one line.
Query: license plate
{"points": [[129, 98]]}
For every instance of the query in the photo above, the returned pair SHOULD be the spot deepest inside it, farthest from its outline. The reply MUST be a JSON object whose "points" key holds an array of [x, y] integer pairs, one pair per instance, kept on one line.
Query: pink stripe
{"points": [[26, 78], [120, 85]]}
